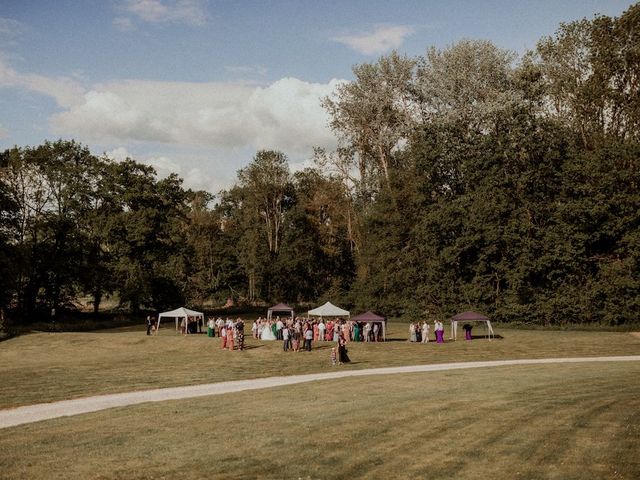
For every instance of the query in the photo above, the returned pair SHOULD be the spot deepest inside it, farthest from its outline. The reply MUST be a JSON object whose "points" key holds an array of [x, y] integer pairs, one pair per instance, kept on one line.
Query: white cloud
{"points": [[66, 91], [193, 177], [202, 131], [119, 154], [382, 39], [191, 12], [285, 115], [163, 165]]}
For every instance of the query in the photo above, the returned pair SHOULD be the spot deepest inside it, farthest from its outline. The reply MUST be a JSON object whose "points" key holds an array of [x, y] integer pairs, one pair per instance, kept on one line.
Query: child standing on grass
{"points": [[333, 357]]}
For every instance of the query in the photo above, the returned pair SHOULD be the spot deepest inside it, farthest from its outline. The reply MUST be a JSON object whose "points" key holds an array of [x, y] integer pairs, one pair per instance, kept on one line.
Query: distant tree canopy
{"points": [[464, 178]]}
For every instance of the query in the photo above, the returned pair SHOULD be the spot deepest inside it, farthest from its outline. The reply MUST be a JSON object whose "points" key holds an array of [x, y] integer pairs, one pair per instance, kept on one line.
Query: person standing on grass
{"points": [[219, 324], [376, 330], [321, 329], [148, 324], [239, 327], [425, 332], [342, 350], [223, 337], [439, 332], [367, 332], [296, 340], [467, 331], [231, 333], [210, 327], [285, 338], [308, 338], [279, 327], [412, 332]]}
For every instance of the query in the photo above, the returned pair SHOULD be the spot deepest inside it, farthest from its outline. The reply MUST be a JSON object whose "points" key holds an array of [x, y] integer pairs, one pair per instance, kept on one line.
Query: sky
{"points": [[196, 87]]}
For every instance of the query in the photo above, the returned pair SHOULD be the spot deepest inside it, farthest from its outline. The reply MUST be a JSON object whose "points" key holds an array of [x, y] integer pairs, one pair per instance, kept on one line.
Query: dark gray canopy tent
{"points": [[470, 317], [280, 308], [370, 317]]}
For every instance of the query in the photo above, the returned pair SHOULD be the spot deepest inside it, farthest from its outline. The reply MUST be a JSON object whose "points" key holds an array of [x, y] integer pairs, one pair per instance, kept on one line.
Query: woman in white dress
{"points": [[425, 332], [267, 333]]}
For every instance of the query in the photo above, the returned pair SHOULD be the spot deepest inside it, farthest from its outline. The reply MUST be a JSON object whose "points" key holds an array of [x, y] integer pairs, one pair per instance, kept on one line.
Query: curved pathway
{"points": [[45, 411]]}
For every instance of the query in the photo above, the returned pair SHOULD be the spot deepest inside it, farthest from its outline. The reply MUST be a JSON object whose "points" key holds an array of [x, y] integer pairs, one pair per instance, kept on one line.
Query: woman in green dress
{"points": [[356, 332]]}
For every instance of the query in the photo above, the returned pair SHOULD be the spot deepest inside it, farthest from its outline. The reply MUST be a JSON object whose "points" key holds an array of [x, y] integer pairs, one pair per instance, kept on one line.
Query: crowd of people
{"points": [[419, 332], [300, 333], [296, 334], [231, 332], [274, 329]]}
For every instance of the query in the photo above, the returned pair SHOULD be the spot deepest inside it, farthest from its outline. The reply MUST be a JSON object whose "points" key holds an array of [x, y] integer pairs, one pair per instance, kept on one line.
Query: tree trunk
{"points": [[97, 298]]}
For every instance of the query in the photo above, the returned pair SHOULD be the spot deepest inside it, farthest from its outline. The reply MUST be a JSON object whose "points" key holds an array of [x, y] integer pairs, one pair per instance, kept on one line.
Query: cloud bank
{"points": [[285, 115], [202, 131]]}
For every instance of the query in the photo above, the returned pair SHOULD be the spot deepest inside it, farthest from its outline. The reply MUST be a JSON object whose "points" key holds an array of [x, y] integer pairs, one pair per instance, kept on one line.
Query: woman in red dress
{"points": [[230, 332]]}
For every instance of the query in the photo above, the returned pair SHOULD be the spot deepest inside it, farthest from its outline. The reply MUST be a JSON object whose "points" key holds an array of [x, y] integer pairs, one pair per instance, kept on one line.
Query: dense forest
{"points": [[464, 178]]}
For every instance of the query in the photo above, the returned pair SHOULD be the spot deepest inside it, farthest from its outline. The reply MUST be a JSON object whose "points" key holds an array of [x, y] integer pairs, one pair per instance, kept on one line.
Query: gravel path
{"points": [[45, 411]]}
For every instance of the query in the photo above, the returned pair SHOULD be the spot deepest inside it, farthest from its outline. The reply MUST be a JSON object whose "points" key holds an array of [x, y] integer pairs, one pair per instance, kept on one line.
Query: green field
{"points": [[45, 367], [578, 421], [557, 422]]}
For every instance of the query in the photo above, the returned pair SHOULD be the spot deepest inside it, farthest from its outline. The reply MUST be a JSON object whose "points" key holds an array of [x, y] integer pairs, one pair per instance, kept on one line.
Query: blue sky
{"points": [[197, 86]]}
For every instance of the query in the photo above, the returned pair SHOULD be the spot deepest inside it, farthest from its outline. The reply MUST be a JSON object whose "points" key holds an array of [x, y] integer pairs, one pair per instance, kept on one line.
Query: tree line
{"points": [[463, 178]]}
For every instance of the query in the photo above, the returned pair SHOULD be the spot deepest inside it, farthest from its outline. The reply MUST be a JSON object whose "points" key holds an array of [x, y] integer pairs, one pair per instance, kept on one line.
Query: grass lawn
{"points": [[45, 367], [578, 421]]}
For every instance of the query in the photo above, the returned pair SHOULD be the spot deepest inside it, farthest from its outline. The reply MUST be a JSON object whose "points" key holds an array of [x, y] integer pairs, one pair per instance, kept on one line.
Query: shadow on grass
{"points": [[249, 347], [484, 337]]}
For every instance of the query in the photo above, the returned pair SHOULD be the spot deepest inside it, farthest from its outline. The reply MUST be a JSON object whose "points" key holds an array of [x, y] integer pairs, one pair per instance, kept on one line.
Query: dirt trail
{"points": [[45, 411]]}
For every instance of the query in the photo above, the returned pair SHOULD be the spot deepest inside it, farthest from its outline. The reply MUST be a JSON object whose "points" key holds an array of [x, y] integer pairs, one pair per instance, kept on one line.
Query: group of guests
{"points": [[274, 329], [293, 331], [231, 332], [419, 332]]}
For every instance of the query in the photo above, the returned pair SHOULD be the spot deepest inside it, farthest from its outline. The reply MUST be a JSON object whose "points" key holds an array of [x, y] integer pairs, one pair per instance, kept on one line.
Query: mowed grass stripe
{"points": [[48, 367], [577, 421], [46, 411]]}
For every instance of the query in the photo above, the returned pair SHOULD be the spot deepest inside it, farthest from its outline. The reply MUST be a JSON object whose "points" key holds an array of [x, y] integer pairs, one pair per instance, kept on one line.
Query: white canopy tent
{"points": [[179, 313], [466, 317], [328, 310]]}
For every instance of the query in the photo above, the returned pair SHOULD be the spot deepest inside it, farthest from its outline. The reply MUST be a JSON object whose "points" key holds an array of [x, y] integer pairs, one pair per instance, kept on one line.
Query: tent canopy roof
{"points": [[328, 310], [181, 312], [469, 316], [281, 307], [368, 316]]}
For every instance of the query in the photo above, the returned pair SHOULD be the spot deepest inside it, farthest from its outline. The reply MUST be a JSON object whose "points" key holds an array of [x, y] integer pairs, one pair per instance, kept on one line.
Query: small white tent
{"points": [[470, 317], [179, 313], [328, 310]]}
